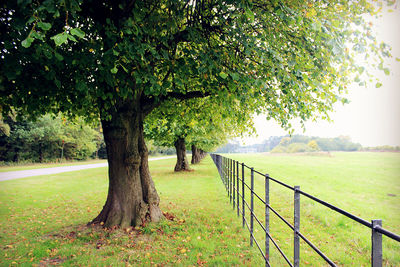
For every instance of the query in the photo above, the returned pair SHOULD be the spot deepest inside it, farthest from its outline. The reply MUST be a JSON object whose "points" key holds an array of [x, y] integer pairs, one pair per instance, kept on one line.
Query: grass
{"points": [[42, 222], [364, 184], [42, 219]]}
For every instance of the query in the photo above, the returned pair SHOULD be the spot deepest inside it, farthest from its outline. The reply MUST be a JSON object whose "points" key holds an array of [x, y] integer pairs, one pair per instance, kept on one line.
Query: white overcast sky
{"points": [[373, 116]]}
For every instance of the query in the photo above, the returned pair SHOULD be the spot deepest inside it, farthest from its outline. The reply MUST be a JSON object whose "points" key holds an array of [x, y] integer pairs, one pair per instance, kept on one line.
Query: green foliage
{"points": [[340, 143], [157, 150], [279, 144], [286, 58], [313, 145], [382, 148], [202, 122], [44, 139], [279, 149]]}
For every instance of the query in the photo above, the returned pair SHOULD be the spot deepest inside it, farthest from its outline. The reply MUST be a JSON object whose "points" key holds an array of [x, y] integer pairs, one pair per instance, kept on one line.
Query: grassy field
{"points": [[42, 219], [42, 222], [365, 184]]}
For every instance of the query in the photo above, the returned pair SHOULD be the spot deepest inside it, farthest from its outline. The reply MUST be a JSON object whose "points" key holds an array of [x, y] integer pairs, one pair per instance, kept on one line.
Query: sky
{"points": [[373, 116]]}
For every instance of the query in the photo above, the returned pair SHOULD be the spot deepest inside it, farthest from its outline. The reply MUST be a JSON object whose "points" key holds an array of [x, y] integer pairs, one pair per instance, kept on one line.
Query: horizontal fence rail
{"points": [[232, 174]]}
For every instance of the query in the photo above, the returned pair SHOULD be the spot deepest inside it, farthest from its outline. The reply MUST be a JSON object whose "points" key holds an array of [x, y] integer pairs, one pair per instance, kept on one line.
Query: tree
{"points": [[201, 123], [118, 60], [313, 145]]}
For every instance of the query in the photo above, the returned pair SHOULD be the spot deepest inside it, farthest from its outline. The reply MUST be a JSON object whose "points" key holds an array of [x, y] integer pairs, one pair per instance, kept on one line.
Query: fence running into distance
{"points": [[232, 174]]}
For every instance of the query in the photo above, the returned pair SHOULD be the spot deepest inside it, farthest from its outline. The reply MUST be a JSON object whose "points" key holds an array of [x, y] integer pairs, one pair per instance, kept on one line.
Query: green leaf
{"points": [[377, 85], [235, 76], [27, 42], [72, 38], [78, 32], [250, 15], [386, 71], [60, 38], [44, 25], [36, 35], [59, 56], [58, 83], [124, 68], [223, 75], [114, 70]]}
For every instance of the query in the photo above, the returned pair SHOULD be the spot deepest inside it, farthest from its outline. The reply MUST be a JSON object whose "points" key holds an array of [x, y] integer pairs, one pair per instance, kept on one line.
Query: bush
{"points": [[279, 149], [298, 148]]}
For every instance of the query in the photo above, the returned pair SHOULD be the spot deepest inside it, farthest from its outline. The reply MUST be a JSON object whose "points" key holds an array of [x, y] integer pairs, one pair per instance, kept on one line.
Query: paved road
{"points": [[45, 171]]}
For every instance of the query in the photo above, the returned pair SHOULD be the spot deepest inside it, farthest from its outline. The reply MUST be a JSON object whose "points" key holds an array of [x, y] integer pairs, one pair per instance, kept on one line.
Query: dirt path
{"points": [[45, 171]]}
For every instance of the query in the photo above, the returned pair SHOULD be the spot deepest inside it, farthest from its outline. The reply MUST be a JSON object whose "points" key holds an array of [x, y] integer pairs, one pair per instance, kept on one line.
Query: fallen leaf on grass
{"points": [[169, 216]]}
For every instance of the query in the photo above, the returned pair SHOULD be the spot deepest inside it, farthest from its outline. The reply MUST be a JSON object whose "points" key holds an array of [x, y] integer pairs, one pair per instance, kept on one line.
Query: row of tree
{"points": [[124, 62]]}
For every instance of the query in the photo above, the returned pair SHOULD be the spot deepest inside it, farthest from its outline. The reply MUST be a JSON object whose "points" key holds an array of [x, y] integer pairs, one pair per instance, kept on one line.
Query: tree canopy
{"points": [[200, 123], [285, 57], [118, 60]]}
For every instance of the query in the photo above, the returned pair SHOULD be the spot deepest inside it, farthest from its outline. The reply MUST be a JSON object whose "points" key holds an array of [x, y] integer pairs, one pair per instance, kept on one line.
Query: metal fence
{"points": [[232, 174]]}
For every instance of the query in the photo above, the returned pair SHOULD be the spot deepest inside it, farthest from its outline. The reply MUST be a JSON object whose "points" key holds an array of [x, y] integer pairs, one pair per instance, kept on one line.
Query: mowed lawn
{"points": [[364, 184], [43, 222], [42, 219]]}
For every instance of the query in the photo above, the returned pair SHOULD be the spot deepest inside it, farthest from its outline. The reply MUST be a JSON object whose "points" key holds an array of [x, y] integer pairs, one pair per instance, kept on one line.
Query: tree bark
{"points": [[182, 163], [195, 155], [202, 154], [132, 198]]}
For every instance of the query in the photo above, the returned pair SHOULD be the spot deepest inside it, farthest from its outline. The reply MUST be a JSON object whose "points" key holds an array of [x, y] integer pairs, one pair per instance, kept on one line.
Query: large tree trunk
{"points": [[182, 163], [132, 198], [195, 155]]}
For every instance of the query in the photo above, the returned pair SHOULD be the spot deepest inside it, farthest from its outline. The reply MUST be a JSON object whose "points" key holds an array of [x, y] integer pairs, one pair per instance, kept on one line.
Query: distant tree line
{"points": [[382, 148], [49, 138], [294, 143]]}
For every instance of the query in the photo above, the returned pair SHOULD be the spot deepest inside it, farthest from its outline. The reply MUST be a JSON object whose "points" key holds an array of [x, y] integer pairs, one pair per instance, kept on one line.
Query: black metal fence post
{"points": [[230, 180], [234, 183], [266, 218], [237, 187], [243, 210], [222, 168], [218, 159], [224, 164], [226, 174], [296, 224], [252, 207], [376, 238]]}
